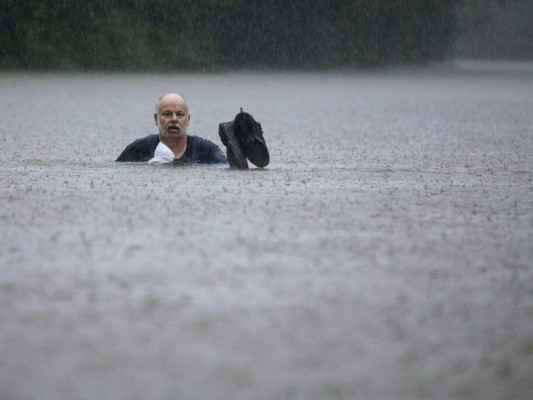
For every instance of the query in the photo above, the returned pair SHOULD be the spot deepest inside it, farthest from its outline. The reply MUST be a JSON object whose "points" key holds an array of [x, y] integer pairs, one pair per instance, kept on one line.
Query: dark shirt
{"points": [[198, 150]]}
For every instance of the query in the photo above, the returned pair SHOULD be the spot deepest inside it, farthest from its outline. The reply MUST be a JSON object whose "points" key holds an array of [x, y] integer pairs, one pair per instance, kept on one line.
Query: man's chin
{"points": [[173, 134]]}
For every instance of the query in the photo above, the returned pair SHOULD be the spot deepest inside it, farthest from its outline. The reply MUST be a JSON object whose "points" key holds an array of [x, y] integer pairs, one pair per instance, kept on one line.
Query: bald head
{"points": [[170, 96]]}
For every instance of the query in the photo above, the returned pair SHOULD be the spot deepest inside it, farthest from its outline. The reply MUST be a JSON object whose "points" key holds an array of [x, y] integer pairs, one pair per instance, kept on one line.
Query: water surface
{"points": [[384, 253]]}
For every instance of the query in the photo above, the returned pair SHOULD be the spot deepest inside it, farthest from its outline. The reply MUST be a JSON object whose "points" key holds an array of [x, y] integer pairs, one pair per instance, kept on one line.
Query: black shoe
{"points": [[250, 136], [236, 158]]}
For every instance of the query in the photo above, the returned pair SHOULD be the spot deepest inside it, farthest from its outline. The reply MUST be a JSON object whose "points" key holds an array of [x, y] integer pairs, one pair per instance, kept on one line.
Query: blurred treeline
{"points": [[495, 29], [163, 35]]}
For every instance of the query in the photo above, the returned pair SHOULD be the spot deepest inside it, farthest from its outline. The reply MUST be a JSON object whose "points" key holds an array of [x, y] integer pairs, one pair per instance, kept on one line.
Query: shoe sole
{"points": [[250, 135], [228, 137]]}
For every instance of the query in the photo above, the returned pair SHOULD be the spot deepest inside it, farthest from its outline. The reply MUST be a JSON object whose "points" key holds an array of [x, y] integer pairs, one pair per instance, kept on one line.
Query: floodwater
{"points": [[385, 253]]}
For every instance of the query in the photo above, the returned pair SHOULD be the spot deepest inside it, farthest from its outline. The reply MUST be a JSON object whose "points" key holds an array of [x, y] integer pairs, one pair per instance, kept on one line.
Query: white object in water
{"points": [[162, 155]]}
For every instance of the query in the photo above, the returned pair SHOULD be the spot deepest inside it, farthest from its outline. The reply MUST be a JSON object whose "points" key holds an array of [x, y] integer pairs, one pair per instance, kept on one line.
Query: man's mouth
{"points": [[174, 128]]}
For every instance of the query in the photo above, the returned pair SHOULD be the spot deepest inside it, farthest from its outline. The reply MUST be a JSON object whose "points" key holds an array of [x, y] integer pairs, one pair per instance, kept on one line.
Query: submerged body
{"points": [[197, 150]]}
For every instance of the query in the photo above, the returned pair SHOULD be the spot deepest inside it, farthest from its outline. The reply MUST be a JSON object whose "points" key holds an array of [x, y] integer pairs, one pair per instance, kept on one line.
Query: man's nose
{"points": [[174, 117]]}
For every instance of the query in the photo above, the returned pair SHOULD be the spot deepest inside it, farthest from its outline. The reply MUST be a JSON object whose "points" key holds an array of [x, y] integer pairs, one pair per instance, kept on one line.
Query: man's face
{"points": [[173, 117]]}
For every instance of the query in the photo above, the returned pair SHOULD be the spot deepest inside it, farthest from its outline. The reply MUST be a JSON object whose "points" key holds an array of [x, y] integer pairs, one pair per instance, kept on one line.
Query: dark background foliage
{"points": [[164, 35]]}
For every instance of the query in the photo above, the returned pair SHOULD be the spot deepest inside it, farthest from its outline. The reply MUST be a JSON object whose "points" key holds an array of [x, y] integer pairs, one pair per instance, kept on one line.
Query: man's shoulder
{"points": [[197, 138], [141, 149], [204, 150], [200, 141], [149, 139]]}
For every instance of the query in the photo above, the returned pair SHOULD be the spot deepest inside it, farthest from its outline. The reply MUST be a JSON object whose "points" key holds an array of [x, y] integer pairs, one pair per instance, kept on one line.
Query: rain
{"points": [[383, 253]]}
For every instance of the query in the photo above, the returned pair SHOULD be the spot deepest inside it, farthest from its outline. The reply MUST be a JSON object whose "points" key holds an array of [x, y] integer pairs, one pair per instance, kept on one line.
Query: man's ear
{"points": [[155, 119], [188, 119]]}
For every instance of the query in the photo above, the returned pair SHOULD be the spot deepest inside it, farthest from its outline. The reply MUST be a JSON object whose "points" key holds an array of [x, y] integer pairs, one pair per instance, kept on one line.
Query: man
{"points": [[172, 143], [242, 137]]}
